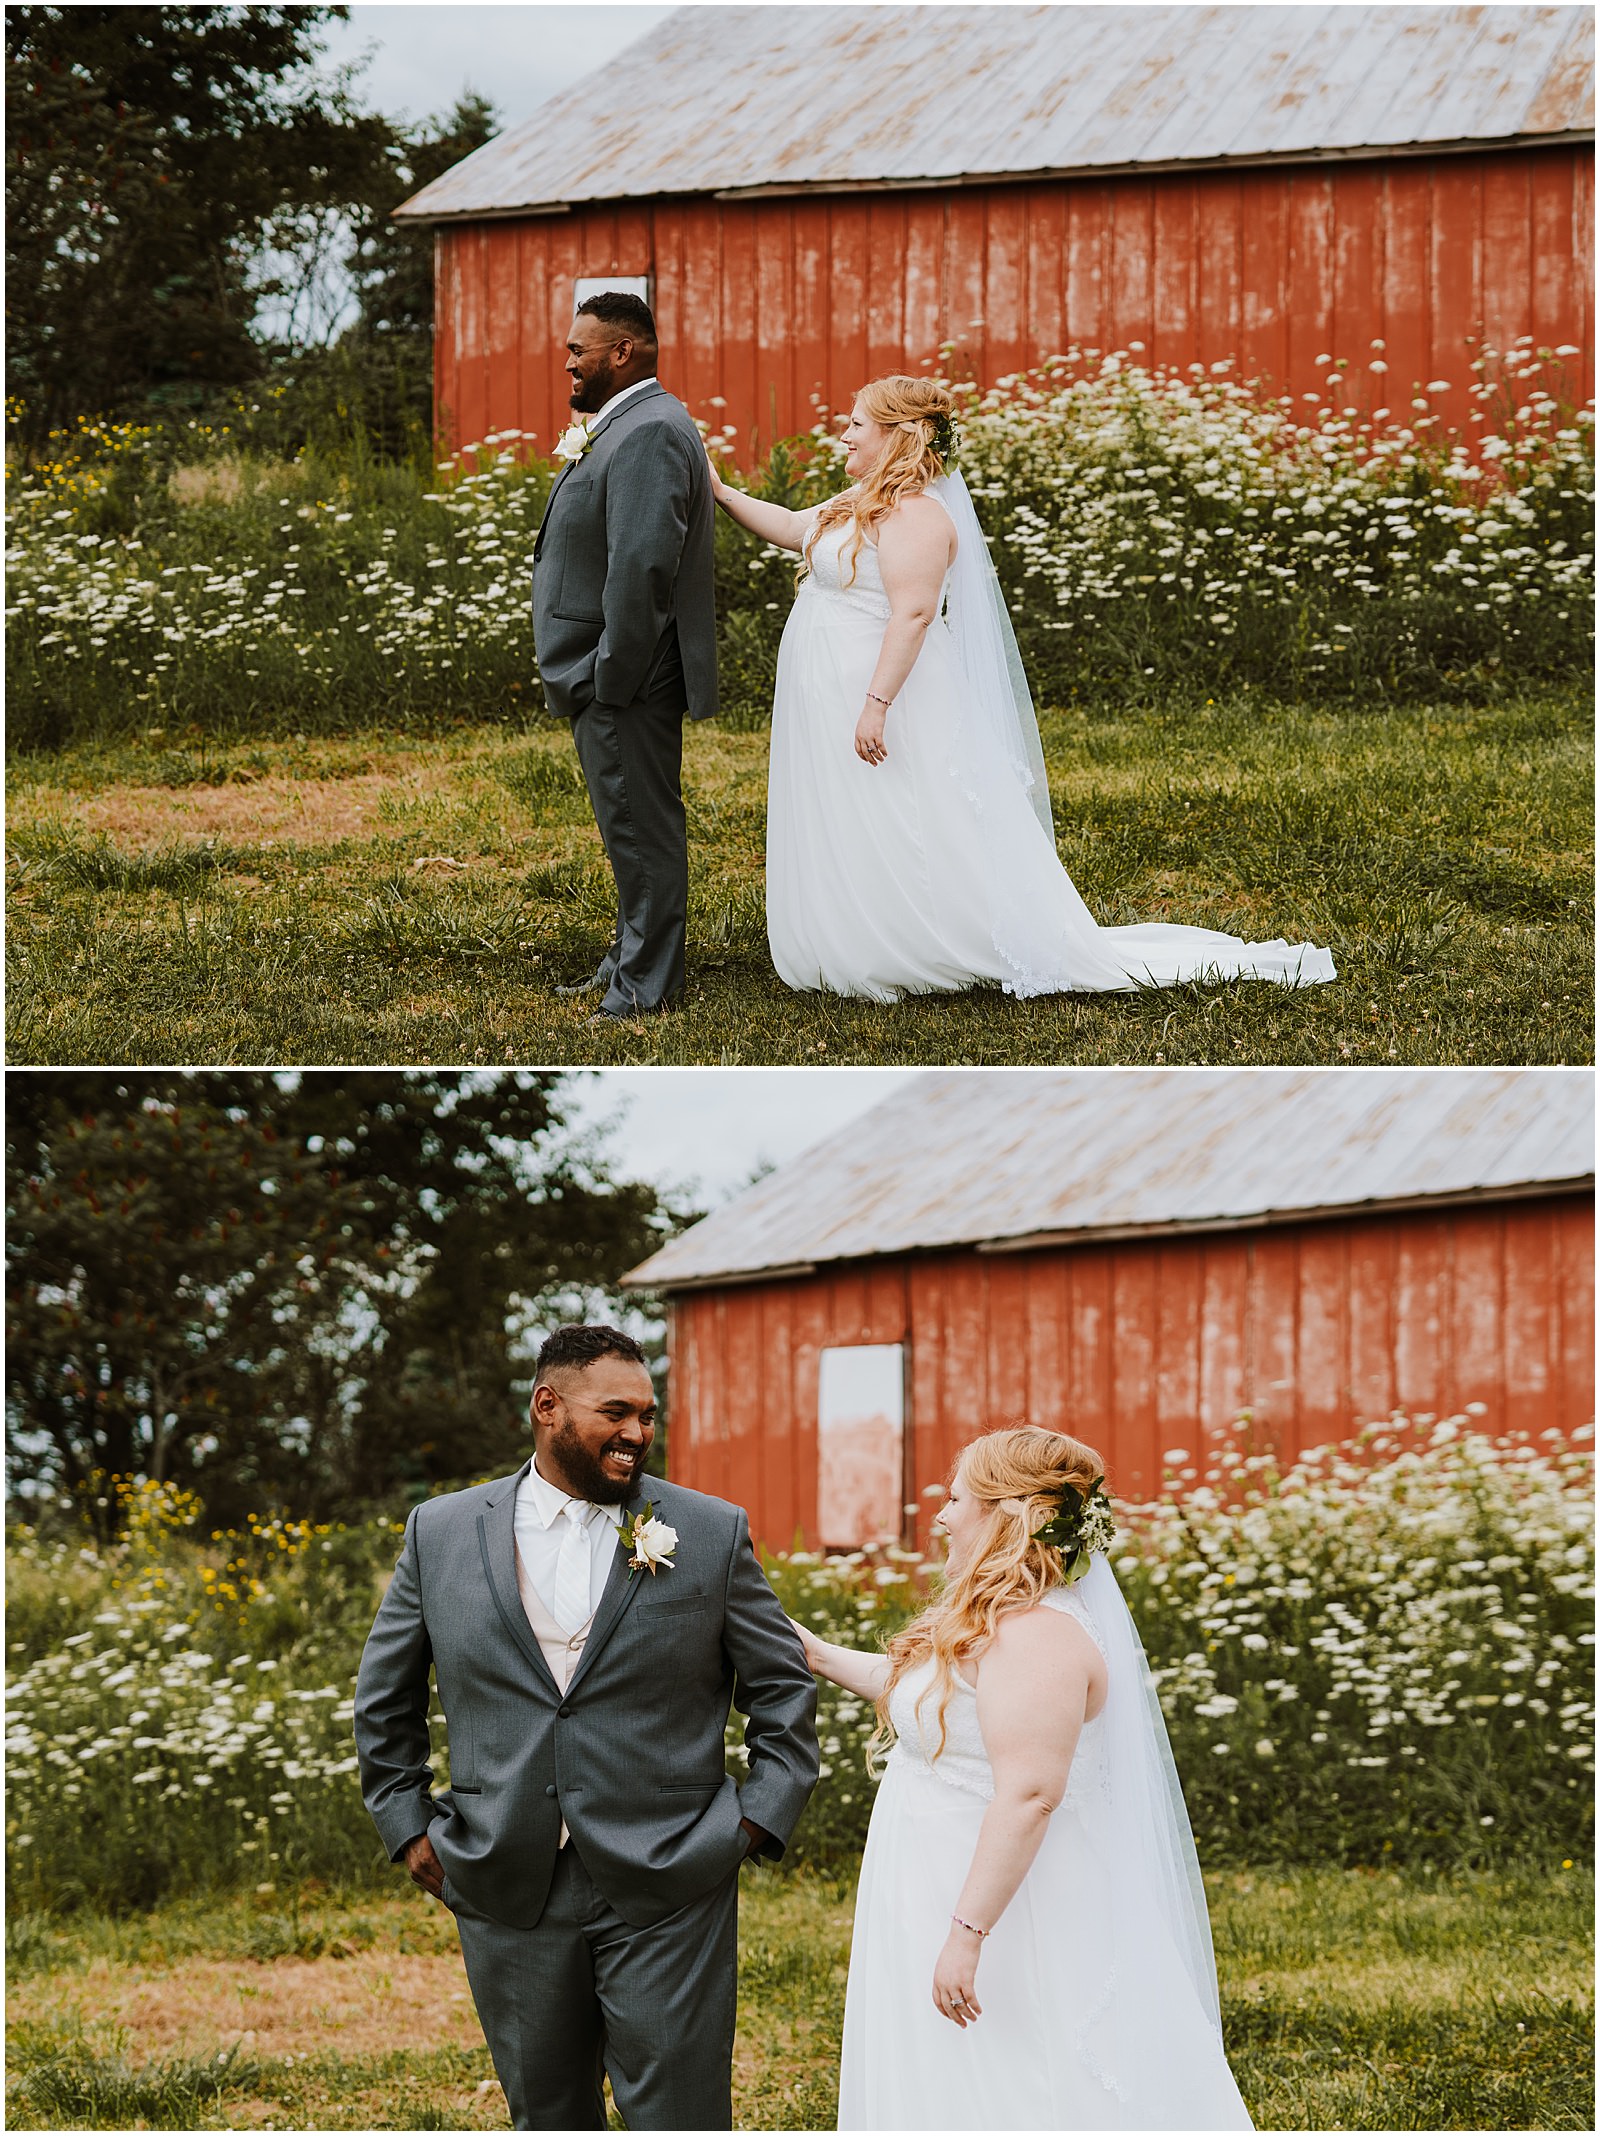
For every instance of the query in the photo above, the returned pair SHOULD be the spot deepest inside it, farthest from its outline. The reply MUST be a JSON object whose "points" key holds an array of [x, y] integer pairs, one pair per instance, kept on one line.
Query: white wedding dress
{"points": [[1096, 1983], [934, 869]]}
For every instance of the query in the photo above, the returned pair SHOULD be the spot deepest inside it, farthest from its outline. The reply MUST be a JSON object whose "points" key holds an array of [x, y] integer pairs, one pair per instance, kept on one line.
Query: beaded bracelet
{"points": [[971, 1926], [877, 700]]}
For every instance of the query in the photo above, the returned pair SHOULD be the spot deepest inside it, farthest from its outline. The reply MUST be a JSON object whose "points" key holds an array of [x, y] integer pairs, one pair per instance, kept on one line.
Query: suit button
{"points": [[562, 1712], [549, 1790]]}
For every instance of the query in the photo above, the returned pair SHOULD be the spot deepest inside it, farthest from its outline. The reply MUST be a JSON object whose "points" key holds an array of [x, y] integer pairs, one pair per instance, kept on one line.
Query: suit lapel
{"points": [[617, 1595], [634, 400], [497, 1538]]}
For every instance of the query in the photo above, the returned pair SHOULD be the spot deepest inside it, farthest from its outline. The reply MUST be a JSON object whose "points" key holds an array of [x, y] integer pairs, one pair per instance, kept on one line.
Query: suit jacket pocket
{"points": [[571, 610], [671, 1605], [575, 601]]}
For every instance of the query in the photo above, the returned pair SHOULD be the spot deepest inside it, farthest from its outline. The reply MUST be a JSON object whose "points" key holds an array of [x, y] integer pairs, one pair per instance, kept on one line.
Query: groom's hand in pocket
{"points": [[424, 1867]]}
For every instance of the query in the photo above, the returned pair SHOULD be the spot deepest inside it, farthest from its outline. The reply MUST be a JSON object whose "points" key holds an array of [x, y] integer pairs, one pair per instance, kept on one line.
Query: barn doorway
{"points": [[861, 1445]]}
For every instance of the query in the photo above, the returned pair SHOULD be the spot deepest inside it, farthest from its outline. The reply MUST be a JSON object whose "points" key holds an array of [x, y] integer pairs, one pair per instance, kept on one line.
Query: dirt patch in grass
{"points": [[304, 811], [369, 2002]]}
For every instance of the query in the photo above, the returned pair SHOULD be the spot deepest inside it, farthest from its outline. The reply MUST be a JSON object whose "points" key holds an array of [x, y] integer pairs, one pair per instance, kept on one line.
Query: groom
{"points": [[589, 1842], [625, 630]]}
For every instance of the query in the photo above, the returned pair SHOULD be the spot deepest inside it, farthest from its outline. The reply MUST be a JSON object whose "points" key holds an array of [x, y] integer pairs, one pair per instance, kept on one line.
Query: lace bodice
{"points": [[829, 576], [964, 1763]]}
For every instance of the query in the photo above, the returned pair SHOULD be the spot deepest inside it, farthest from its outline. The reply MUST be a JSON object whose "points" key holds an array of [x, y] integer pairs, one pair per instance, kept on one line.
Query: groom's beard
{"points": [[590, 395], [583, 1471]]}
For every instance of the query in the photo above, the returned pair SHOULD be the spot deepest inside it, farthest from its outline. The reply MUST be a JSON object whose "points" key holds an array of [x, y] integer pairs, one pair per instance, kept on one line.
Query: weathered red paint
{"points": [[1144, 1346], [770, 308]]}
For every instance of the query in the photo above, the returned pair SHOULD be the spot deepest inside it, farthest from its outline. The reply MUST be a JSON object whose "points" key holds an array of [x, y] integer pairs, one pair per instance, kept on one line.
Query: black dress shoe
{"points": [[584, 986]]}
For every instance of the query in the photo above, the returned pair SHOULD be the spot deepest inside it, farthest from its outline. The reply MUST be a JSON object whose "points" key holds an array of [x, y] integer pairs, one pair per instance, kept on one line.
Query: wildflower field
{"points": [[1377, 1669], [1155, 532], [275, 720], [1382, 1655]]}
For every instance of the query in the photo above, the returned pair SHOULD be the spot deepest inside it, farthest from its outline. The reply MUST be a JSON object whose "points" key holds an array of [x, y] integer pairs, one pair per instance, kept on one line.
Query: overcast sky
{"points": [[424, 56], [706, 1131]]}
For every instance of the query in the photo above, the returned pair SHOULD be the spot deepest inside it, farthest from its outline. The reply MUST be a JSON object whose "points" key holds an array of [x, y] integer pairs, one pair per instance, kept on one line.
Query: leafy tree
{"points": [[392, 263], [375, 380], [148, 150], [307, 1292]]}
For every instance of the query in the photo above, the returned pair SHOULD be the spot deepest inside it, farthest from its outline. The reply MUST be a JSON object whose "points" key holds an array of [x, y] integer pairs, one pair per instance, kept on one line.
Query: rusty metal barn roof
{"points": [[736, 100], [1003, 1159]]}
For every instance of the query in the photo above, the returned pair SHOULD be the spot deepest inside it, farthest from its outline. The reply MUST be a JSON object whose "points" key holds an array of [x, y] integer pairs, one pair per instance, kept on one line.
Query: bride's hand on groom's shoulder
{"points": [[718, 486], [811, 1645]]}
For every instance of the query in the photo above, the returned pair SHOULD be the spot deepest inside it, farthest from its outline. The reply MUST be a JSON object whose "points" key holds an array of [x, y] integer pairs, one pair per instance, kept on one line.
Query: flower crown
{"points": [[941, 433], [1082, 1524]]}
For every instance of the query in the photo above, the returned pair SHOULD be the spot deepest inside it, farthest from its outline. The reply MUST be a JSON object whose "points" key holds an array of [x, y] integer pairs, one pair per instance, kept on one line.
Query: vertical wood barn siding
{"points": [[1142, 1346], [769, 305]]}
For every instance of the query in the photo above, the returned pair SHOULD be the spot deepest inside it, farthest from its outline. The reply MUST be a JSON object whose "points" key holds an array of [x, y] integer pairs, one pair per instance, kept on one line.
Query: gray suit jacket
{"points": [[631, 1756], [623, 603]]}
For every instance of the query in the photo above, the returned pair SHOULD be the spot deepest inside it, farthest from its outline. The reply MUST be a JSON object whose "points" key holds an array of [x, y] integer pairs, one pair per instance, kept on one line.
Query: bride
{"points": [[909, 839], [1031, 1946]]}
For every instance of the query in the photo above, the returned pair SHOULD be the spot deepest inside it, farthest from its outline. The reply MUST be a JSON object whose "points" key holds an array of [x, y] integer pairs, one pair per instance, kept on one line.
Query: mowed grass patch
{"points": [[1409, 2000], [393, 898], [1350, 2000]]}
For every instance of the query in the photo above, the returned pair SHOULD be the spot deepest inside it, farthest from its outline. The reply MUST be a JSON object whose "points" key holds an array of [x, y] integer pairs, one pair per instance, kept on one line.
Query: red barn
{"points": [[1137, 1256], [811, 196]]}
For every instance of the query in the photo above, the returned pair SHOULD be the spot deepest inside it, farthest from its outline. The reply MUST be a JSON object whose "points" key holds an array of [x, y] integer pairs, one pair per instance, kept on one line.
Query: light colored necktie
{"points": [[571, 1609]]}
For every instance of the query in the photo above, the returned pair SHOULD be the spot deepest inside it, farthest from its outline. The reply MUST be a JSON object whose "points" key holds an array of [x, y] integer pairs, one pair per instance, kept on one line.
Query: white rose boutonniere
{"points": [[573, 443], [650, 1542]]}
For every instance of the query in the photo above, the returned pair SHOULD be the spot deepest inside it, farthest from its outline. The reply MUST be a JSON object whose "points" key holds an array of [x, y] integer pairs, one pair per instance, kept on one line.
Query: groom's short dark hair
{"points": [[629, 314], [574, 1347]]}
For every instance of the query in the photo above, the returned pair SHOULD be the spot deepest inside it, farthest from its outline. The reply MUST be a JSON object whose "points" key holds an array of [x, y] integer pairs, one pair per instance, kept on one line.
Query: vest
{"points": [[559, 1647]]}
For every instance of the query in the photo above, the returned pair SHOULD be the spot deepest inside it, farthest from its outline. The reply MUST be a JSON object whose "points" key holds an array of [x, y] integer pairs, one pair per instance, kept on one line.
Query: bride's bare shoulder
{"points": [[1044, 1629], [917, 508], [922, 518]]}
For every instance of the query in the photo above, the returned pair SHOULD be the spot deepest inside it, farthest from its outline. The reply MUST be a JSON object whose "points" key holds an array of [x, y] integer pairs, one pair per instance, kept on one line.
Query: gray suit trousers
{"points": [[581, 1995], [632, 761]]}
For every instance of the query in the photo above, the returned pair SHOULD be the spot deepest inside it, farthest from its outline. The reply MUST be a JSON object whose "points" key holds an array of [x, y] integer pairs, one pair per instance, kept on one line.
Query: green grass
{"points": [[199, 901], [1350, 2000]]}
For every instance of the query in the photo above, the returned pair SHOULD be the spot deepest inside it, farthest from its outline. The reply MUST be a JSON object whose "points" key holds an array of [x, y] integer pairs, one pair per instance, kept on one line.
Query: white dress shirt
{"points": [[617, 400], [539, 1527]]}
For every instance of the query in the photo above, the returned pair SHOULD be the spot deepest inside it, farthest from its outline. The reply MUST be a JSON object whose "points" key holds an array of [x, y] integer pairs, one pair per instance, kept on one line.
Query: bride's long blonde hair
{"points": [[1017, 1476], [908, 409]]}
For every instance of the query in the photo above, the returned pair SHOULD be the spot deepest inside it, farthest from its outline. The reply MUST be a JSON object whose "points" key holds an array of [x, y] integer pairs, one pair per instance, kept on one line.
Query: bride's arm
{"points": [[773, 522], [1033, 1687], [913, 555], [864, 1674]]}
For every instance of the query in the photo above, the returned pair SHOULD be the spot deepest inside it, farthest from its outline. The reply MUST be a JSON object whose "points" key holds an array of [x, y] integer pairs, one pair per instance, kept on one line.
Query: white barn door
{"points": [[861, 1412]]}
